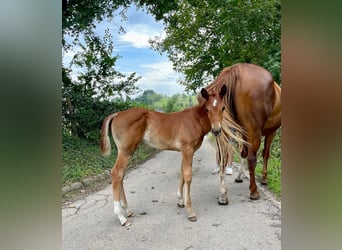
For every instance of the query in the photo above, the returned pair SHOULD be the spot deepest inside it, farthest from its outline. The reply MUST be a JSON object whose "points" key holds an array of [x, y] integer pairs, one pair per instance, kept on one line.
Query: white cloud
{"points": [[138, 35], [161, 78]]}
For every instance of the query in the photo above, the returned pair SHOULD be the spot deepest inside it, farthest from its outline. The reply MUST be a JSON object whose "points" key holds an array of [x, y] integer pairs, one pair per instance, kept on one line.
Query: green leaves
{"points": [[203, 37]]}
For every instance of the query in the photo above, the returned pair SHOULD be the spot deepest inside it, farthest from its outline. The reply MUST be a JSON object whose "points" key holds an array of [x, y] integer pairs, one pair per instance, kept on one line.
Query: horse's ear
{"points": [[223, 91], [204, 93]]}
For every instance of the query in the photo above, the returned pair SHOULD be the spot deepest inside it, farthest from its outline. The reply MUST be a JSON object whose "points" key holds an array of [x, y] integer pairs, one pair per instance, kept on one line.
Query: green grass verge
{"points": [[81, 159]]}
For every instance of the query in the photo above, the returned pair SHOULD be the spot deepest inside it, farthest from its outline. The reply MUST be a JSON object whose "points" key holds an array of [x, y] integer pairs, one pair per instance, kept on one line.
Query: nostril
{"points": [[216, 132]]}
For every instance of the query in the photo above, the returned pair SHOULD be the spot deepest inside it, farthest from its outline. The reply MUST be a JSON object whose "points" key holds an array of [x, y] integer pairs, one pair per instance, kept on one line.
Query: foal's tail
{"points": [[105, 142]]}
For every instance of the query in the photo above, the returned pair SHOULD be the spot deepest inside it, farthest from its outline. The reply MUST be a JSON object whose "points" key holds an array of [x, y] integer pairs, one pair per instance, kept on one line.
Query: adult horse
{"points": [[180, 131], [253, 110]]}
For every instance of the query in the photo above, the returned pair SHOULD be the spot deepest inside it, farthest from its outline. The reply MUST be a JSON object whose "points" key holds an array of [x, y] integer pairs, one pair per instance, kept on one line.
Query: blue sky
{"points": [[136, 55]]}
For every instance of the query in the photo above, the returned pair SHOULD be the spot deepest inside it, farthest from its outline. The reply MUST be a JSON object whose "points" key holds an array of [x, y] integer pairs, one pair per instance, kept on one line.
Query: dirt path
{"points": [[89, 223]]}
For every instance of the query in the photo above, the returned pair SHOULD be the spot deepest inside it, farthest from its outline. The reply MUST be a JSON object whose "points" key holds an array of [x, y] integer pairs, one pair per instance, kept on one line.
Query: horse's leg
{"points": [[123, 202], [117, 174], [238, 179], [187, 155], [181, 190], [265, 156], [252, 159], [223, 198]]}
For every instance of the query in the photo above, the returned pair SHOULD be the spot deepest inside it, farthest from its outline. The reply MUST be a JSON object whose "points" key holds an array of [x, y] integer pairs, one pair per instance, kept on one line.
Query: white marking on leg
{"points": [[118, 213], [180, 197], [223, 198], [223, 189]]}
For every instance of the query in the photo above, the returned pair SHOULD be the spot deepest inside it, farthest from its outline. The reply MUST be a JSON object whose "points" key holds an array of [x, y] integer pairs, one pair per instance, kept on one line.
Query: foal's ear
{"points": [[223, 91], [204, 93]]}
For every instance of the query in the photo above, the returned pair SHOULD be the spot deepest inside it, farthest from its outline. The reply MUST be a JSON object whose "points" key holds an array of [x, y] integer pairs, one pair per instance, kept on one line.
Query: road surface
{"points": [[151, 191]]}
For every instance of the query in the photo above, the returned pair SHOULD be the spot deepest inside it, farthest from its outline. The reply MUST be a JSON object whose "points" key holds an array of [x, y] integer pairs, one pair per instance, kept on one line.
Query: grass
{"points": [[81, 159]]}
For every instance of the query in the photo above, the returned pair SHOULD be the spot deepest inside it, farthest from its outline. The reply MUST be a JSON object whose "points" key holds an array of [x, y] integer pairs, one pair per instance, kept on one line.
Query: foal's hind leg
{"points": [[117, 174], [123, 202], [266, 155]]}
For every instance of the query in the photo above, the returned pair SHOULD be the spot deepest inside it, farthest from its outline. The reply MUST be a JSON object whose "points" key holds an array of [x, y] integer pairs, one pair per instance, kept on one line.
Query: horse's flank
{"points": [[162, 131]]}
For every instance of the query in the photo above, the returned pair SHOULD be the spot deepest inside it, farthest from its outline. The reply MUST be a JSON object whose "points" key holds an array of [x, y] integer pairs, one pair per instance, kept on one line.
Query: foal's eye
{"points": [[223, 108], [206, 110]]}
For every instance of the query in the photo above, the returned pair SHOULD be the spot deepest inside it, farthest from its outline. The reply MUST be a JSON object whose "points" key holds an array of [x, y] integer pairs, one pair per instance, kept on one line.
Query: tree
{"points": [[203, 37], [81, 16], [83, 102], [171, 104], [148, 97], [85, 97], [98, 77]]}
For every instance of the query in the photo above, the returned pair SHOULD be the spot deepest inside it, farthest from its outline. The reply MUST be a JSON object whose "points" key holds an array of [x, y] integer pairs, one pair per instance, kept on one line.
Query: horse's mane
{"points": [[230, 127]]}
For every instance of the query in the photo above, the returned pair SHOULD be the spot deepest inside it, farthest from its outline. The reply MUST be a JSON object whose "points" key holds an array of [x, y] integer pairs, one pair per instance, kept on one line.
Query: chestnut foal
{"points": [[180, 131]]}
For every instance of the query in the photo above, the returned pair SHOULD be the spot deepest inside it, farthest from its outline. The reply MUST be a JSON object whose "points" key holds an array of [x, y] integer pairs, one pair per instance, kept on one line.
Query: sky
{"points": [[136, 55]]}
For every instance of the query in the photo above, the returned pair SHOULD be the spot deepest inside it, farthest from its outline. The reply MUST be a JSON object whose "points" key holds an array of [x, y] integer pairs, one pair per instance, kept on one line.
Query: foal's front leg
{"points": [[223, 198], [187, 156], [181, 190]]}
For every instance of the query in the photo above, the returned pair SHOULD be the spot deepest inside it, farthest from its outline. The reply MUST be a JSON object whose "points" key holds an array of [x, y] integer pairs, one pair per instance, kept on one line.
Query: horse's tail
{"points": [[105, 142]]}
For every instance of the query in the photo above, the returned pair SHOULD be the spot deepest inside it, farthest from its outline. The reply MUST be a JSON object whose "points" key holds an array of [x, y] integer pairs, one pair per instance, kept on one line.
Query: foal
{"points": [[180, 131]]}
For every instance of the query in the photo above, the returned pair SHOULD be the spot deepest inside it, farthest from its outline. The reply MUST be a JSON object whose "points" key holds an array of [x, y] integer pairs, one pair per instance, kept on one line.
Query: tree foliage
{"points": [[98, 77], [148, 97], [82, 113], [96, 80], [203, 37]]}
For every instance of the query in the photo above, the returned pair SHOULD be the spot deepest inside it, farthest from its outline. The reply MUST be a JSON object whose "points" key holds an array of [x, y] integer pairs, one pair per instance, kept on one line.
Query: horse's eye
{"points": [[223, 108], [206, 110]]}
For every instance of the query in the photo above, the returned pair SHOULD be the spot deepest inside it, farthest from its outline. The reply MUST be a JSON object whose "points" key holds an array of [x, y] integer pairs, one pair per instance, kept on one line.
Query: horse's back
{"points": [[128, 128], [254, 80]]}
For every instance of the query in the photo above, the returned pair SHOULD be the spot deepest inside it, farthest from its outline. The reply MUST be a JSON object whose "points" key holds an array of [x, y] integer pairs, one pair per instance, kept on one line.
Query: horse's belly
{"points": [[159, 142]]}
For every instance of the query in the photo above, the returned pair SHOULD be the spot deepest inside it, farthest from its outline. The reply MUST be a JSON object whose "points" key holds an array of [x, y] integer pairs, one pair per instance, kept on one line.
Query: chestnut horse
{"points": [[180, 131], [253, 110]]}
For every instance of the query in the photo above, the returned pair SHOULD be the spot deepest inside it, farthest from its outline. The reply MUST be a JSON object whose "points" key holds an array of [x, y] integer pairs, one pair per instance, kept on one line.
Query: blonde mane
{"points": [[232, 131]]}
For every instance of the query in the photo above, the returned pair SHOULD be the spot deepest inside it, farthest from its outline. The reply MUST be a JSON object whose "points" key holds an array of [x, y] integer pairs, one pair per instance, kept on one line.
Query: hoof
{"points": [[130, 214], [264, 182], [126, 224], [238, 180], [223, 203], [192, 218], [180, 205], [255, 196]]}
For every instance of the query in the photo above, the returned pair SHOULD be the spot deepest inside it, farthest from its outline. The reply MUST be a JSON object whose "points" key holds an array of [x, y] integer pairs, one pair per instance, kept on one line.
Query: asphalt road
{"points": [[151, 191]]}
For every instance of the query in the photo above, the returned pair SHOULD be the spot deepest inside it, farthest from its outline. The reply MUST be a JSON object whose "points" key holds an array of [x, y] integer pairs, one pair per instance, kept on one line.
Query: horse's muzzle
{"points": [[216, 132]]}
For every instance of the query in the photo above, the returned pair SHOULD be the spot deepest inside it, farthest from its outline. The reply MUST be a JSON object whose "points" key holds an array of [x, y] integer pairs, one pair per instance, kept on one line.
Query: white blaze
{"points": [[214, 102]]}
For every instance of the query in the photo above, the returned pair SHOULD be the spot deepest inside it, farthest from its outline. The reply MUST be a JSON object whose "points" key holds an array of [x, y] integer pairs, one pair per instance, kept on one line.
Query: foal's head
{"points": [[214, 107]]}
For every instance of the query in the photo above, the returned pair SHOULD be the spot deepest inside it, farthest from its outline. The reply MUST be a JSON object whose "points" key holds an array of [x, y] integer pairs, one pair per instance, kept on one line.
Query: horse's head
{"points": [[214, 106]]}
